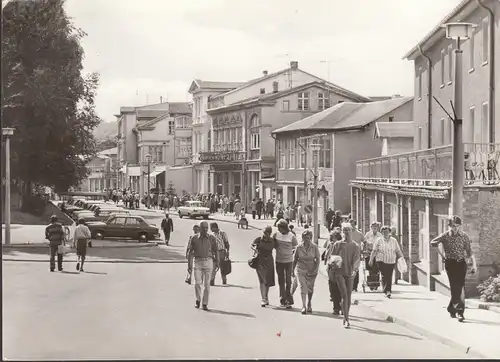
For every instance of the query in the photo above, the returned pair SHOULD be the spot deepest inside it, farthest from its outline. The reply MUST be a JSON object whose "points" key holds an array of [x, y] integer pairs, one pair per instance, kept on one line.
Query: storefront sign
{"points": [[221, 157]]}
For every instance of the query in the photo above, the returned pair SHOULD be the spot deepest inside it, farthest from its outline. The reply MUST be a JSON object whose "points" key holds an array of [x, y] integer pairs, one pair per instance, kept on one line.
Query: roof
{"points": [[394, 130], [152, 121], [214, 85], [340, 90], [179, 108], [346, 115], [463, 9], [149, 113]]}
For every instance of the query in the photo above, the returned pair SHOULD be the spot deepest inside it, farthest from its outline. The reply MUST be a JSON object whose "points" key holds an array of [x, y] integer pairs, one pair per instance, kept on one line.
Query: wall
{"points": [[182, 178], [131, 139], [399, 145]]}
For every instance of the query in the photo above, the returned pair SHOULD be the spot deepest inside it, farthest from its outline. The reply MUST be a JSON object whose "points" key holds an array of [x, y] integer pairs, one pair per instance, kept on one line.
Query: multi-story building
{"points": [[102, 172], [350, 131], [202, 91], [162, 130], [412, 190]]}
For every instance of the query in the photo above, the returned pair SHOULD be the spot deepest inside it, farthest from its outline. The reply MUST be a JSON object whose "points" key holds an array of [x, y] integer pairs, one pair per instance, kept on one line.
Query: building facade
{"points": [[103, 173], [347, 131], [412, 191], [202, 91]]}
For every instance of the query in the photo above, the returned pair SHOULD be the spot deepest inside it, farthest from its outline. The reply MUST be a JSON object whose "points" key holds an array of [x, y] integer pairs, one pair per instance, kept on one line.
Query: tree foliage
{"points": [[46, 96]]}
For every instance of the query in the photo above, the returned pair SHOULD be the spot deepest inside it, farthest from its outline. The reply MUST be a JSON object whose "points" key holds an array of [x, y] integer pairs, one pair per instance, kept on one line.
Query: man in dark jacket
{"points": [[260, 207], [55, 234], [167, 226], [337, 220], [329, 218]]}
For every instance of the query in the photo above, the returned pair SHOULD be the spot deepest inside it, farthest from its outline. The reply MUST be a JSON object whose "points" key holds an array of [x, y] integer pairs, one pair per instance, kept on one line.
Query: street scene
{"points": [[218, 195]]}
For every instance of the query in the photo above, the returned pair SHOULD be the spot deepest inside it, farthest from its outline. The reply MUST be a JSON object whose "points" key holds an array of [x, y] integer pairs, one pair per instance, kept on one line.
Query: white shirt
{"points": [[385, 250]]}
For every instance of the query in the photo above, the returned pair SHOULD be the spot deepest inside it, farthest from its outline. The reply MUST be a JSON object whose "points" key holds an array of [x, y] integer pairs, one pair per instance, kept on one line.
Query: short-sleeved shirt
{"points": [[203, 246], [456, 245]]}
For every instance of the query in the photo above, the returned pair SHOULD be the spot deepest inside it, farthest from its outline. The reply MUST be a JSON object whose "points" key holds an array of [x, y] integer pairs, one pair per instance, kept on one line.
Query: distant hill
{"points": [[106, 131]]}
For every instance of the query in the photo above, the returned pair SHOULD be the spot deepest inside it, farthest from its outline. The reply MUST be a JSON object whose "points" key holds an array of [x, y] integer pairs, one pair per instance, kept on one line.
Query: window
{"points": [[485, 124], [285, 106], [301, 163], [325, 155], [119, 221], [291, 154], [450, 64], [471, 51], [471, 129], [183, 122], [419, 138], [391, 118], [133, 222], [423, 240], [323, 101], [373, 210], [281, 150], [171, 126], [255, 141], [442, 67], [486, 42], [286, 150], [254, 121], [209, 138], [303, 101], [263, 91], [419, 84], [183, 147], [159, 154], [394, 215], [441, 131]]}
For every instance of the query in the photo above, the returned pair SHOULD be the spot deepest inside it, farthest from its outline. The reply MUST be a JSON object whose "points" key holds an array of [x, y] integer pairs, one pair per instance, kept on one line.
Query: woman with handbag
{"points": [[80, 241], [306, 261], [386, 252], [263, 263]]}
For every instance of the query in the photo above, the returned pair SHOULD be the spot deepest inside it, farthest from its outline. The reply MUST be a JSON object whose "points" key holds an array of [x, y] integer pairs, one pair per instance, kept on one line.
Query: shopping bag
{"points": [[402, 267], [63, 249], [225, 267]]}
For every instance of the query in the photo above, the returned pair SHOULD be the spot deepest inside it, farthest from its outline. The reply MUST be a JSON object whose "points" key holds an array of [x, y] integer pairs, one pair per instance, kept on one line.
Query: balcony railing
{"points": [[481, 165], [234, 146]]}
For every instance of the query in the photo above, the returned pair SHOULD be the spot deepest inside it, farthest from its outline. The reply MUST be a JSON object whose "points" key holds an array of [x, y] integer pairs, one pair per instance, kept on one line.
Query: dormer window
{"points": [[303, 101], [323, 101], [263, 91]]}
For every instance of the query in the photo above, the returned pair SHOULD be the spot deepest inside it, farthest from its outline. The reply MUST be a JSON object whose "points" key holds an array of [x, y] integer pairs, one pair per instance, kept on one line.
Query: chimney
{"points": [[263, 91], [265, 72], [275, 87], [294, 64]]}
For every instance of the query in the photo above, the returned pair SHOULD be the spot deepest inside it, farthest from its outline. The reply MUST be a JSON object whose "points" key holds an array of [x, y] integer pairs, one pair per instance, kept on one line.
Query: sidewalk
{"points": [[424, 312]]}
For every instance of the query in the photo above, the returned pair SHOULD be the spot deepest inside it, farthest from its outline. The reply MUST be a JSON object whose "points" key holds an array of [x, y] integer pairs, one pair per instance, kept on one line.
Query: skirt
{"points": [[265, 270], [81, 247], [306, 282]]}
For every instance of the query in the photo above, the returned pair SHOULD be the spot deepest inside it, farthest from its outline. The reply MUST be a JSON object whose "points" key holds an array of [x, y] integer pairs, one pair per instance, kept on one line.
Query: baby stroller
{"points": [[371, 275]]}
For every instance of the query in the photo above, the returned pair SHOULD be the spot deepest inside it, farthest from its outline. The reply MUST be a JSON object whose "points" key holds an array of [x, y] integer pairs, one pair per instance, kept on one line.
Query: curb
{"points": [[114, 261], [482, 305], [44, 246], [422, 331]]}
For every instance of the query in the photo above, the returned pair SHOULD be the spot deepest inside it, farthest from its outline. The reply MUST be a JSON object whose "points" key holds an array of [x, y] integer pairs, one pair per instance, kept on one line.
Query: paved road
{"points": [[145, 311]]}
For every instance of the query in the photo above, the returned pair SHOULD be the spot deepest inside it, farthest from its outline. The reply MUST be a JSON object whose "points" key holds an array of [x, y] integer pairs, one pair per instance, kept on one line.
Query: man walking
{"points": [[167, 226], [55, 234], [189, 257], [203, 248], [222, 250], [285, 245], [457, 248]]}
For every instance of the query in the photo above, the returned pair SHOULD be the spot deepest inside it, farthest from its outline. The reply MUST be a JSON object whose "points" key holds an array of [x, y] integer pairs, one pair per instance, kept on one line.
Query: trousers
{"points": [[386, 270], [53, 252], [202, 273], [222, 256], [456, 270], [345, 286], [284, 271]]}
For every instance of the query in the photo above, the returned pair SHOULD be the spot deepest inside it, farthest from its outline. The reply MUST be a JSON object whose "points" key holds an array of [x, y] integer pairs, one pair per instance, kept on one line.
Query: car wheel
{"points": [[189, 215], [180, 215], [99, 235], [143, 237]]}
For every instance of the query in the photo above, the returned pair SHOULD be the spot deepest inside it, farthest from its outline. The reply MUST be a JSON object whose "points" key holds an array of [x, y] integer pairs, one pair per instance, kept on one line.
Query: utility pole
{"points": [[7, 133]]}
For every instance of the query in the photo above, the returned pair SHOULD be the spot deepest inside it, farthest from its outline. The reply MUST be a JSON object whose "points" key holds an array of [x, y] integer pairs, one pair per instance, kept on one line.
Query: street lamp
{"points": [[315, 147], [7, 133], [148, 158], [458, 31]]}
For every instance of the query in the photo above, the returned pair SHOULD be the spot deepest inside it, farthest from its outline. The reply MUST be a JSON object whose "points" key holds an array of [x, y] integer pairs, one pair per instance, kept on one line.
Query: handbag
{"points": [[63, 249], [225, 267], [402, 267], [253, 262]]}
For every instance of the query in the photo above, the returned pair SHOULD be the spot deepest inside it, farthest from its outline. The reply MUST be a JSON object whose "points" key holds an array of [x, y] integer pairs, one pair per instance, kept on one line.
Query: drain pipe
{"points": [[429, 97], [491, 66]]}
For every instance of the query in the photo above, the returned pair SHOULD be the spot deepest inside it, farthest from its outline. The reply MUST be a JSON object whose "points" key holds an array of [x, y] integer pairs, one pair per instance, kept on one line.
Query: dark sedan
{"points": [[124, 226]]}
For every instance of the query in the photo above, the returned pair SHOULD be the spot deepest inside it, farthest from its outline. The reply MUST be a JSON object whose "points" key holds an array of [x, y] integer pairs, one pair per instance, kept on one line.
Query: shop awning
{"points": [[155, 173]]}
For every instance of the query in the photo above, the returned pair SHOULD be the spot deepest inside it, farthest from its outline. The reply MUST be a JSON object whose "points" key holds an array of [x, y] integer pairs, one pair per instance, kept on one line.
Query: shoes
{"points": [[188, 280], [288, 305], [282, 305], [336, 312], [204, 307], [212, 283], [197, 304], [52, 270], [461, 318], [61, 269], [303, 311], [77, 266], [224, 282], [81, 269], [347, 325], [388, 295], [309, 309], [263, 304], [453, 315]]}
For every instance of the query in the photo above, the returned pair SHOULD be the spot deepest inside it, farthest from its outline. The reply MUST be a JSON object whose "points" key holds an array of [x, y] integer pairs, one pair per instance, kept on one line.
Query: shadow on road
{"points": [[96, 273], [383, 333], [69, 272], [224, 312], [235, 286]]}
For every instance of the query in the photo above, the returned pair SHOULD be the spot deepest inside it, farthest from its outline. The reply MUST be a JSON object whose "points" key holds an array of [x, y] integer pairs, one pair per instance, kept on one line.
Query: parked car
{"points": [[194, 209], [75, 215], [103, 215], [124, 226]]}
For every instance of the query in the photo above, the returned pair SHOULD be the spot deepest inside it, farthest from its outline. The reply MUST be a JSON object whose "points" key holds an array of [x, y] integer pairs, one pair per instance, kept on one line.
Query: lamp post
{"points": [[315, 147], [7, 133], [148, 158], [458, 31]]}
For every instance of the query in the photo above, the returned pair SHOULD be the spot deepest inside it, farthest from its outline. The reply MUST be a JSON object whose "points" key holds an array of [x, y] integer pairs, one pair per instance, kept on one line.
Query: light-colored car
{"points": [[194, 209]]}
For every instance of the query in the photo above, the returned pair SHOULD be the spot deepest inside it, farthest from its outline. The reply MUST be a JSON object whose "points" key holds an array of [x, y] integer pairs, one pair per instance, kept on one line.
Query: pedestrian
{"points": [[300, 215], [167, 225], [285, 245], [253, 207], [373, 278], [336, 220], [264, 246], [358, 237], [237, 209], [386, 252], [223, 252], [306, 265], [260, 208], [329, 217], [203, 248], [81, 239], [333, 288], [189, 257], [349, 253], [55, 234], [457, 248]]}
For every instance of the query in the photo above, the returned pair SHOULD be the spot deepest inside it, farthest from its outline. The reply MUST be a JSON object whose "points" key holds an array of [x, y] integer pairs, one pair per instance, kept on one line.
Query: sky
{"points": [[147, 49]]}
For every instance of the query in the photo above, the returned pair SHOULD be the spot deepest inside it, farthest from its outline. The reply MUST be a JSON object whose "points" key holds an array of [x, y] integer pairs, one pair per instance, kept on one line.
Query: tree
{"points": [[46, 97]]}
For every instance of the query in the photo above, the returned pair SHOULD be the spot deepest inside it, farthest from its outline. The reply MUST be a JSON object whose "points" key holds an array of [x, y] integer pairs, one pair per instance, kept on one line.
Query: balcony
{"points": [[434, 166], [234, 146]]}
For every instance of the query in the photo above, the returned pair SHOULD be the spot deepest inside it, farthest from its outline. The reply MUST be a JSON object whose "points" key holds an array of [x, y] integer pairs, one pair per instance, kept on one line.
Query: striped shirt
{"points": [[385, 250]]}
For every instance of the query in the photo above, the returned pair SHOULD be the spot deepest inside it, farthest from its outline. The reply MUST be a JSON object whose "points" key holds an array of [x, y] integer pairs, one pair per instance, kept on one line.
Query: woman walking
{"points": [[264, 246], [349, 251], [80, 240], [386, 252], [306, 263]]}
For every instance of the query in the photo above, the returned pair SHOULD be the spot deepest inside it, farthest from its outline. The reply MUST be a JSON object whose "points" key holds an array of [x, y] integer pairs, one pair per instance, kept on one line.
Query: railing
{"points": [[481, 165], [234, 146]]}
